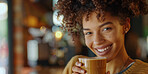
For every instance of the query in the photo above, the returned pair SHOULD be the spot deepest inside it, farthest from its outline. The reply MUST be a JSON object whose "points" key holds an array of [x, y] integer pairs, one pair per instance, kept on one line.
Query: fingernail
{"points": [[78, 64], [82, 71]]}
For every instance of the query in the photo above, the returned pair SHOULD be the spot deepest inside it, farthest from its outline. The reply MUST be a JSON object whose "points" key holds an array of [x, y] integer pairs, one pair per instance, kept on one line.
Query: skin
{"points": [[99, 35], [108, 34]]}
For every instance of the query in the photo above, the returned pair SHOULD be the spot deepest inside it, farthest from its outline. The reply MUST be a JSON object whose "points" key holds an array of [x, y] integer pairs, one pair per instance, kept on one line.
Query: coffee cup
{"points": [[94, 65]]}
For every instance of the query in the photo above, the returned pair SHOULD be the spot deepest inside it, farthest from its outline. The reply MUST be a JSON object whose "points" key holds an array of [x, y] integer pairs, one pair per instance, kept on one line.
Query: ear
{"points": [[126, 26]]}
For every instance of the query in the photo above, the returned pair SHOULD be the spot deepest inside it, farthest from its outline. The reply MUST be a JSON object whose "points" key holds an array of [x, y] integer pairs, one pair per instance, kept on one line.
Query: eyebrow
{"points": [[107, 23]]}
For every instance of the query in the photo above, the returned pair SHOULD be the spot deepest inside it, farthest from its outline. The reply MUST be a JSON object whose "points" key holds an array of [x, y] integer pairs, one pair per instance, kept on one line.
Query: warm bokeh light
{"points": [[58, 34], [32, 21], [43, 29]]}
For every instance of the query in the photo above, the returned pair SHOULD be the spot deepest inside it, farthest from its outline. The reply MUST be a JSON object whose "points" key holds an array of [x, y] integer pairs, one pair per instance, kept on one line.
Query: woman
{"points": [[104, 24]]}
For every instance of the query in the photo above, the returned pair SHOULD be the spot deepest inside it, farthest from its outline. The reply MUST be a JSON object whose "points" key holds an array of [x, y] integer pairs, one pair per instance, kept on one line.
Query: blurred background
{"points": [[32, 42]]}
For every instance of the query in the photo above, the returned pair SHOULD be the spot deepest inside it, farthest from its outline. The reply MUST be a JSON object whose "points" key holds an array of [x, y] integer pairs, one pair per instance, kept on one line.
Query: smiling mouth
{"points": [[103, 49]]}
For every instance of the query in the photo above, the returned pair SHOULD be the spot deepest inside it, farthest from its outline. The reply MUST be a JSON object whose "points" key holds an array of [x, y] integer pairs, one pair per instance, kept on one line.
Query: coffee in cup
{"points": [[94, 65]]}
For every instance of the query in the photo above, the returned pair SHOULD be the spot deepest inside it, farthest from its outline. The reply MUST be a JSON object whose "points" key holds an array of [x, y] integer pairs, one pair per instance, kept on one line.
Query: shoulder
{"points": [[71, 63], [139, 67], [141, 64]]}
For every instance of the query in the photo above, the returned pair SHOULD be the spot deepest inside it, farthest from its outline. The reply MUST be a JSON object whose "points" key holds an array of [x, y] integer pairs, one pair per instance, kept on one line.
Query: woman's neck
{"points": [[120, 62]]}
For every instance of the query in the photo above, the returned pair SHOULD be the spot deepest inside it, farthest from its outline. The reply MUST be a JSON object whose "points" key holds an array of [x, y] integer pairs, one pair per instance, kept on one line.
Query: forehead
{"points": [[93, 17], [93, 22]]}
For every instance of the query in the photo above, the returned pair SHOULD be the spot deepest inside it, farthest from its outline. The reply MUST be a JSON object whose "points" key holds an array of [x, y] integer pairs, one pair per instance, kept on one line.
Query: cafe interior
{"points": [[32, 41]]}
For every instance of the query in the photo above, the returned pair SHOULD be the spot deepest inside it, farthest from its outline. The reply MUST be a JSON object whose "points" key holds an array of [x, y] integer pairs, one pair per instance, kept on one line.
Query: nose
{"points": [[98, 39]]}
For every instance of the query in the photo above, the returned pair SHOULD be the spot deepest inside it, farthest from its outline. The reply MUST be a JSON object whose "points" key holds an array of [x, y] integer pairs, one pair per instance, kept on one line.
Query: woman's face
{"points": [[106, 38]]}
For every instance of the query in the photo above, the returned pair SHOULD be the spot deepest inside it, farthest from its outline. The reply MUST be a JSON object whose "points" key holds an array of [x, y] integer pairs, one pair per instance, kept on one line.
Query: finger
{"points": [[78, 64], [78, 69]]}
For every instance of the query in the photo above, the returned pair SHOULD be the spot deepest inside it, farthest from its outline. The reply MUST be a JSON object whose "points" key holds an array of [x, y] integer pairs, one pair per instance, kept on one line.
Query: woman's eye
{"points": [[108, 28], [88, 33]]}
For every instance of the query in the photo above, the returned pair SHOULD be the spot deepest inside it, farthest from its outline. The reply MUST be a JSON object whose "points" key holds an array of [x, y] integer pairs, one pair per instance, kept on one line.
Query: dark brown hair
{"points": [[74, 10]]}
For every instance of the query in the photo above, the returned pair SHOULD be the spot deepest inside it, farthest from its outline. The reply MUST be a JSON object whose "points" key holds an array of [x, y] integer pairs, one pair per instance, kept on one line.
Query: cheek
{"points": [[114, 36], [88, 42], [110, 37]]}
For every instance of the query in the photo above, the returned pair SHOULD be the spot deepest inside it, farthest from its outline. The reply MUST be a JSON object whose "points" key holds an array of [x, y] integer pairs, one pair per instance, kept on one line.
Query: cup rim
{"points": [[92, 58]]}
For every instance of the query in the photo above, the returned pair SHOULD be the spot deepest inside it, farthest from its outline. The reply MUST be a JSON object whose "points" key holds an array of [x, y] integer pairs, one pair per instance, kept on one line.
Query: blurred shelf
{"points": [[42, 70]]}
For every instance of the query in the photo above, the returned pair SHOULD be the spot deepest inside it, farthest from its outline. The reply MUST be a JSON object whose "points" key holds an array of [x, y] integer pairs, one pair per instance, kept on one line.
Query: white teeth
{"points": [[101, 50]]}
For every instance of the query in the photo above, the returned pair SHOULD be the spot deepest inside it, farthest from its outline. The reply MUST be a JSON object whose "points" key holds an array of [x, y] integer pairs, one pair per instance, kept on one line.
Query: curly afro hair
{"points": [[74, 10]]}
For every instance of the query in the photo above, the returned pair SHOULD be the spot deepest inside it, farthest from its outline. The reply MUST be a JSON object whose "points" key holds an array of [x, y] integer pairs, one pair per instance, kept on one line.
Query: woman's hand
{"points": [[77, 68]]}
